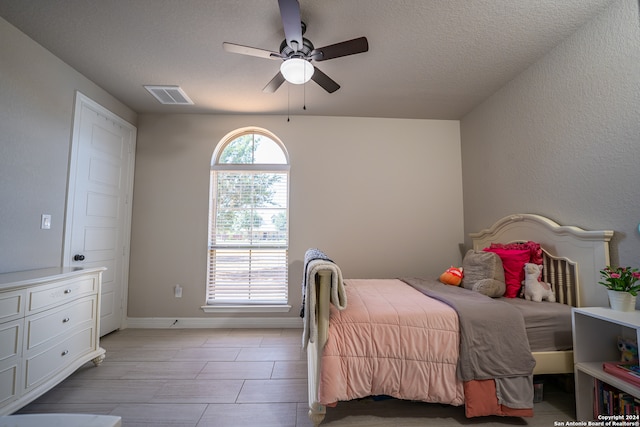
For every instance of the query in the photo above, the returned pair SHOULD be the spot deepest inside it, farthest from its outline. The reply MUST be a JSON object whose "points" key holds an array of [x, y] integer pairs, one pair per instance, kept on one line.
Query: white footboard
{"points": [[314, 349]]}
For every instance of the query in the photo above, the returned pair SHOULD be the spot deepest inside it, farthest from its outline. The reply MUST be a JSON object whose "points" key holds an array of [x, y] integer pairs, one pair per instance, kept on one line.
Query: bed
{"points": [[571, 259]]}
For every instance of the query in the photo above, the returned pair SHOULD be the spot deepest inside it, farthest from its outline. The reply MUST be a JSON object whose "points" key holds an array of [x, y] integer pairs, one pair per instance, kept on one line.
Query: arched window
{"points": [[248, 221]]}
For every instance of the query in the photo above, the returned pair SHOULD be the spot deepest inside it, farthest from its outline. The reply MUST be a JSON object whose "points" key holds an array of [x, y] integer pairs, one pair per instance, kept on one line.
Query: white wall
{"points": [[563, 138], [37, 93], [382, 197]]}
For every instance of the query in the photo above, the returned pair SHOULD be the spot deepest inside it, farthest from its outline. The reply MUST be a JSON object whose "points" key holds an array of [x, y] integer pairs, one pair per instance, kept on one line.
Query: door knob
{"points": [[78, 257]]}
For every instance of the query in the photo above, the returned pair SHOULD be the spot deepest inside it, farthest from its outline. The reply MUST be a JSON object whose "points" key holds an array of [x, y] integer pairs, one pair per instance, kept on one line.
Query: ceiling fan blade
{"points": [[349, 47], [291, 22], [274, 84], [251, 51], [324, 81]]}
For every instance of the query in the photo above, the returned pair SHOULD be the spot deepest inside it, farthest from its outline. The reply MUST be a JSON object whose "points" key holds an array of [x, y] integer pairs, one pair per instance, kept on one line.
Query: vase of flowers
{"points": [[622, 286]]}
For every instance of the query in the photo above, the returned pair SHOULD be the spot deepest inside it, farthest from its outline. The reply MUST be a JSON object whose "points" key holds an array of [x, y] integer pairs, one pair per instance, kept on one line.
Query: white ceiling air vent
{"points": [[169, 95]]}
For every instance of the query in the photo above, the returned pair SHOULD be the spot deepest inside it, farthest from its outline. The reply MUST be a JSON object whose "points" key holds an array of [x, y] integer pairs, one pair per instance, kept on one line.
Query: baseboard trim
{"points": [[217, 323]]}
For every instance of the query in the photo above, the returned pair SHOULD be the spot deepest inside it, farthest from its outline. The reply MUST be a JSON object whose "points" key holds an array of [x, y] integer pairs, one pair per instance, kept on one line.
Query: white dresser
{"points": [[49, 327]]}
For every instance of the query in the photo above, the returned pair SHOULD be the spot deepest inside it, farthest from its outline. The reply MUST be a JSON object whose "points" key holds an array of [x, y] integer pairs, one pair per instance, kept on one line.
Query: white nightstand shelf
{"points": [[595, 334]]}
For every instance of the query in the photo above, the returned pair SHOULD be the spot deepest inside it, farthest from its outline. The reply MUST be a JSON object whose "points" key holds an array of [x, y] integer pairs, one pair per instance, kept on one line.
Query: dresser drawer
{"points": [[11, 339], [12, 305], [49, 325], [48, 296], [41, 365], [10, 360], [9, 381]]}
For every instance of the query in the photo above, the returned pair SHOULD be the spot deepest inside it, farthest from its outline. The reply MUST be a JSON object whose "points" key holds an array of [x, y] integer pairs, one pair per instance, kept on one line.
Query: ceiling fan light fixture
{"points": [[296, 70]]}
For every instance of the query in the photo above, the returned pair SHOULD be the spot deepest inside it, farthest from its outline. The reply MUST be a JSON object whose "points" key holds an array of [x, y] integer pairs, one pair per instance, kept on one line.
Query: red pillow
{"points": [[536, 250], [513, 261]]}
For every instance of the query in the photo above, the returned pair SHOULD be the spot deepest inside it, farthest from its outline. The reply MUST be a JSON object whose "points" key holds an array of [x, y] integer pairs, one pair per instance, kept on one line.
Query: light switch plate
{"points": [[45, 222]]}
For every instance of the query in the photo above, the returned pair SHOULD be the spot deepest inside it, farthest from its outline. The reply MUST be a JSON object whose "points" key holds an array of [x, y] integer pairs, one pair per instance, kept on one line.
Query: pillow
{"points": [[483, 272], [534, 247], [513, 261], [490, 287]]}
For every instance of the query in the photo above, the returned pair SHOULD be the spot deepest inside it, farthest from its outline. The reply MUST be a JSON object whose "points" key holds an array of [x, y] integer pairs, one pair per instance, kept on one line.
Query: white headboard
{"points": [[588, 250]]}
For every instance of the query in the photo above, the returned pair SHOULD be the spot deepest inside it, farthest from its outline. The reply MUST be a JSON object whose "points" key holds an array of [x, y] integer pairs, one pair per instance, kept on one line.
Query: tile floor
{"points": [[234, 378]]}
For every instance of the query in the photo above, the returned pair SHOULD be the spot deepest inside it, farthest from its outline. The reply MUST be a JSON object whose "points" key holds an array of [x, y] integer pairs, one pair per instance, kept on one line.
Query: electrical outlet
{"points": [[177, 291]]}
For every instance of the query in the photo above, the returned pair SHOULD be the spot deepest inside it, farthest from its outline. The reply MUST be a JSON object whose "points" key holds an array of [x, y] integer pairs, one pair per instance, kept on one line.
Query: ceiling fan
{"points": [[296, 52]]}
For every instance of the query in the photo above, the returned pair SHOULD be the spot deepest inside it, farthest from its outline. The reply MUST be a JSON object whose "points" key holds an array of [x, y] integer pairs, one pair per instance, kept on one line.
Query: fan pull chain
{"points": [[304, 97], [304, 89], [288, 101]]}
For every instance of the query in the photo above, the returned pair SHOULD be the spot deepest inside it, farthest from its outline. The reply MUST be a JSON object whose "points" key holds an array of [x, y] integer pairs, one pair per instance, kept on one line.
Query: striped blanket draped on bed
{"points": [[316, 261]]}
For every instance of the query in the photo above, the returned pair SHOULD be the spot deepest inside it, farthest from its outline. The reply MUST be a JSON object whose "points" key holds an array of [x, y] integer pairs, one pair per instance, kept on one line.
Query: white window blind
{"points": [[248, 234]]}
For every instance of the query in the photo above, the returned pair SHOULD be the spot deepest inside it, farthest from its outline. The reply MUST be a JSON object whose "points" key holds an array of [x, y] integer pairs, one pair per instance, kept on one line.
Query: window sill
{"points": [[265, 308]]}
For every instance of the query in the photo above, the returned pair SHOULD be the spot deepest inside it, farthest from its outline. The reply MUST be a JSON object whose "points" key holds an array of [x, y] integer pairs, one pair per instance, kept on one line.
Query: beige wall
{"points": [[37, 93], [383, 197], [563, 138]]}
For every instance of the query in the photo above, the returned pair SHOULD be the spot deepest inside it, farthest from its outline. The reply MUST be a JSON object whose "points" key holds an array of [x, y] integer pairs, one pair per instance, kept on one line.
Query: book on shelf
{"points": [[608, 400], [629, 372]]}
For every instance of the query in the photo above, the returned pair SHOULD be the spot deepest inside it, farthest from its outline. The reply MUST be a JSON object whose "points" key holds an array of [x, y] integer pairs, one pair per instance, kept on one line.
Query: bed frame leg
{"points": [[316, 414], [314, 349]]}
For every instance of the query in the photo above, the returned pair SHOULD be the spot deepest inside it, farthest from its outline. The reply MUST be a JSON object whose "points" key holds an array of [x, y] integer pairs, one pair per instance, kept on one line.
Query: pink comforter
{"points": [[414, 357]]}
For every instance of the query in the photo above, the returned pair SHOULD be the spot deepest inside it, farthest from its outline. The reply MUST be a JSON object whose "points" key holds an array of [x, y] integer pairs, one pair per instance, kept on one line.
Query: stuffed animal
{"points": [[628, 350], [534, 289], [452, 276]]}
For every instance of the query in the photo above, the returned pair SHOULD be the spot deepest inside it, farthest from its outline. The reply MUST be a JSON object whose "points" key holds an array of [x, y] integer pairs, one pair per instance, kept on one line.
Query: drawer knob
{"points": [[64, 353], [67, 291], [78, 257], [65, 320]]}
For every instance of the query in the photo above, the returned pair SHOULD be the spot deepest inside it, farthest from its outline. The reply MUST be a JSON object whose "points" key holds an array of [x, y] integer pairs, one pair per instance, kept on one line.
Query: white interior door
{"points": [[98, 220]]}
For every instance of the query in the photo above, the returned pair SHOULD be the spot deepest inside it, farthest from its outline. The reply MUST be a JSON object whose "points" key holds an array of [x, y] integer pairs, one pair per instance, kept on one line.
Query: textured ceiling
{"points": [[431, 59]]}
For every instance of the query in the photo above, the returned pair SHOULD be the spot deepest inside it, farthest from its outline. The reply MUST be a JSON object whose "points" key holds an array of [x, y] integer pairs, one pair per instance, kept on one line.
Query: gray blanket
{"points": [[310, 255], [493, 341]]}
